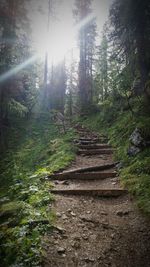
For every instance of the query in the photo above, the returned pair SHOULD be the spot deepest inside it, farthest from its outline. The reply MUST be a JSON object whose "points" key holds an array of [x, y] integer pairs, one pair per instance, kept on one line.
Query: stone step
{"points": [[92, 192], [82, 142], [92, 141], [95, 151], [109, 183], [83, 176], [85, 132], [92, 168], [94, 146], [88, 139]]}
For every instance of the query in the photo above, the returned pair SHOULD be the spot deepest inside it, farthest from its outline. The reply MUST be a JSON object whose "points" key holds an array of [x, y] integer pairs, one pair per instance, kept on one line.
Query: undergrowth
{"points": [[38, 150], [135, 174]]}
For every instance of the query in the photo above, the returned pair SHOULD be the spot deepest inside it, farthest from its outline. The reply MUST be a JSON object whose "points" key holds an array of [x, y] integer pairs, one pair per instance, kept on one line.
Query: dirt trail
{"points": [[95, 231]]}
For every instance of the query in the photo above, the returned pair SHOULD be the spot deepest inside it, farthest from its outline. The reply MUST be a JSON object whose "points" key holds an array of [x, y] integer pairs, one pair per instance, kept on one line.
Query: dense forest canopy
{"points": [[62, 61], [27, 79], [93, 66]]}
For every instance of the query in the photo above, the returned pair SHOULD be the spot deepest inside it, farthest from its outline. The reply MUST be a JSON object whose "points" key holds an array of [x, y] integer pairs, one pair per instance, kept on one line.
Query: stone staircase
{"points": [[96, 180]]}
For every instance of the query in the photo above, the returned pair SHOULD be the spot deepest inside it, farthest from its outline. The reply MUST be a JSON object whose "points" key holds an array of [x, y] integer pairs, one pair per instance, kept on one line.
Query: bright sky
{"points": [[63, 33], [101, 10]]}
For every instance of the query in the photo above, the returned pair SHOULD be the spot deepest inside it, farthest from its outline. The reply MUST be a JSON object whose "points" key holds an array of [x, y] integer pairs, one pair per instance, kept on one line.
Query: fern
{"points": [[15, 107]]}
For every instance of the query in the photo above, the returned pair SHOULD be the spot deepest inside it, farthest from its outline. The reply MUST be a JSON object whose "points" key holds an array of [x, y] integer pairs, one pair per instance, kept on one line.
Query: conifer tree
{"points": [[86, 46], [18, 89], [131, 22]]}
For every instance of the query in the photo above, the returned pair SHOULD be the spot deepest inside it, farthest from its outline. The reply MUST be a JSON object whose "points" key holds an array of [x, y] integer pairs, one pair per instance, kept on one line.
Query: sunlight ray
{"points": [[17, 69], [85, 21], [61, 39]]}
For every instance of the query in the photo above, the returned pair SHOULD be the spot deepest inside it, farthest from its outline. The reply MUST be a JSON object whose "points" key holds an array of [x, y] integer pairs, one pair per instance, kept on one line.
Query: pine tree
{"points": [[131, 22], [14, 50], [86, 45], [56, 89]]}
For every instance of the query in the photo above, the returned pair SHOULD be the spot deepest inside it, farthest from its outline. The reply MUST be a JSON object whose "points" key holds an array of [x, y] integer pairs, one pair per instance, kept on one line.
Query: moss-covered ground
{"points": [[35, 150]]}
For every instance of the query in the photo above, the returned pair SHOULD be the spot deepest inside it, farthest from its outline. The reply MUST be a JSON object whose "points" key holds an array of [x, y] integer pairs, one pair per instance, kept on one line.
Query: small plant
{"points": [[25, 196]]}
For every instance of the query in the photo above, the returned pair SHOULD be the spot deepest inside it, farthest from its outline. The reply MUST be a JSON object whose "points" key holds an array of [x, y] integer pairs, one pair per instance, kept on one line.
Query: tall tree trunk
{"points": [[45, 95]]}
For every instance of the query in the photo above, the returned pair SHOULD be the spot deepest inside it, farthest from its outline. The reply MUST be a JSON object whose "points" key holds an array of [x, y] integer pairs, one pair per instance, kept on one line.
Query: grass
{"points": [[135, 174], [36, 150]]}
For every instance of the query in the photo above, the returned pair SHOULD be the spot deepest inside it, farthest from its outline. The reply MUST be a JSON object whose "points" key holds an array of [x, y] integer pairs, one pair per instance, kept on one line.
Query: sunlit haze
{"points": [[62, 35]]}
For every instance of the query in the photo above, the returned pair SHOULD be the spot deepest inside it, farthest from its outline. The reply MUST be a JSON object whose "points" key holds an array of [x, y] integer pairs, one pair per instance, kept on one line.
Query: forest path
{"points": [[98, 224]]}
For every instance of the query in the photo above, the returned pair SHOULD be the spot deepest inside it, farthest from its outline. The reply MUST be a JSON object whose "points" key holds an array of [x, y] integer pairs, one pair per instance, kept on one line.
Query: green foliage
{"points": [[18, 83], [131, 36], [16, 108], [135, 174], [25, 197], [137, 178]]}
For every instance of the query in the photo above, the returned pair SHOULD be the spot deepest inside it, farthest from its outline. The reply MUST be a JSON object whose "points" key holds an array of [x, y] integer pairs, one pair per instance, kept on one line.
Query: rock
{"points": [[56, 242], [76, 244], [127, 212], [113, 249], [83, 218], [105, 225], [85, 229], [88, 219], [114, 179], [58, 214], [104, 213], [136, 138], [88, 260], [77, 238], [114, 183], [133, 150], [65, 236], [64, 217], [112, 236], [122, 213], [119, 213], [119, 165], [61, 250], [137, 142], [73, 214], [88, 212], [101, 257], [81, 225], [65, 183], [85, 237], [62, 182], [60, 230]]}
